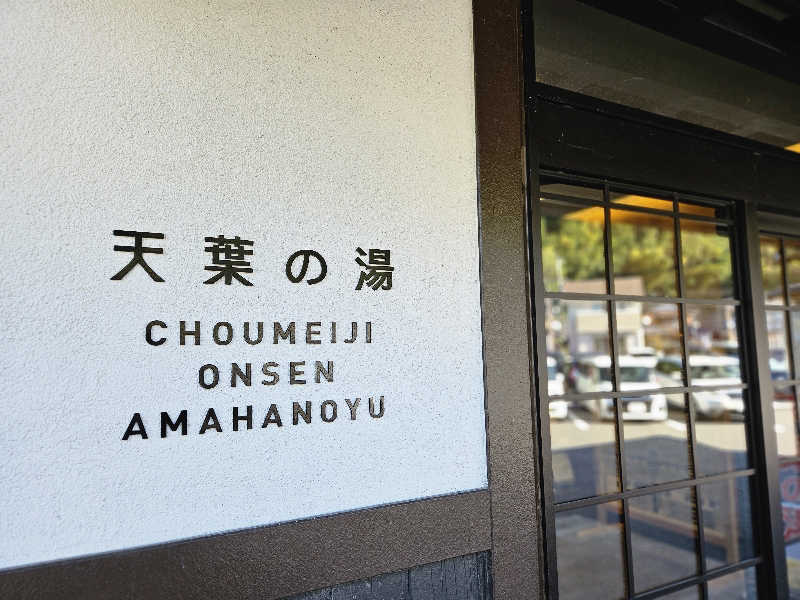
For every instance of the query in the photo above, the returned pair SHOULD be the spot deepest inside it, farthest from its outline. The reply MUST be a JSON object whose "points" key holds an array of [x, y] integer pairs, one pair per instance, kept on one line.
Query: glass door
{"points": [[780, 269], [649, 485]]}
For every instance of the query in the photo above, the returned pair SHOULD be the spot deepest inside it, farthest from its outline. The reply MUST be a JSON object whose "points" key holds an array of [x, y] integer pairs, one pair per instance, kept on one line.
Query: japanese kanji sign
{"points": [[242, 289]]}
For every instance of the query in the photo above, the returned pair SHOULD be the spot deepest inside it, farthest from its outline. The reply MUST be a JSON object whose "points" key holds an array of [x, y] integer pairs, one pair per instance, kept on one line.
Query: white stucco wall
{"points": [[303, 124]]}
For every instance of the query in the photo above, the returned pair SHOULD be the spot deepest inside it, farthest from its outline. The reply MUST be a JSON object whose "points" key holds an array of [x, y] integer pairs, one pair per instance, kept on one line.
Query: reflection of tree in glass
{"points": [[707, 269], [572, 250], [643, 246], [771, 270], [791, 249]]}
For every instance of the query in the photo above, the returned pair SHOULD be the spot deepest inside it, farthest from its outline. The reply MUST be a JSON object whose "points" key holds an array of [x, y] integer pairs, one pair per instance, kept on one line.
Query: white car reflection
{"points": [[705, 370], [637, 373], [555, 387]]}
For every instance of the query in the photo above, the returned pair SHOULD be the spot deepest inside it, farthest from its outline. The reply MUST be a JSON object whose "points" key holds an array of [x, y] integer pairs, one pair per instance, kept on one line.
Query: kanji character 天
{"points": [[139, 251]]}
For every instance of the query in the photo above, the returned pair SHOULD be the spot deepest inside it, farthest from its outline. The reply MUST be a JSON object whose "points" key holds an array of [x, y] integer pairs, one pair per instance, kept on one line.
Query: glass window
{"points": [[663, 538], [589, 545], [720, 434], [772, 271], [643, 201], [713, 345], [739, 585], [573, 254], [621, 408], [712, 212], [728, 533], [565, 190], [785, 408], [643, 247], [649, 337], [781, 256], [778, 346], [706, 253], [583, 450], [691, 593], [656, 450], [670, 371], [578, 345], [789, 477], [582, 431], [791, 249]]}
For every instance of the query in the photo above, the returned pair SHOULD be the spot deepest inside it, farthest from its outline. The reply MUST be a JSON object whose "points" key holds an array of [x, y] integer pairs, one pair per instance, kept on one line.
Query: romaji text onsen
{"points": [[222, 333]]}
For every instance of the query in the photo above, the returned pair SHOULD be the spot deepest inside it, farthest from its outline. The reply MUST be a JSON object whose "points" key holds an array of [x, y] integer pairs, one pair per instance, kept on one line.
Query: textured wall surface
{"points": [[296, 125], [460, 578]]}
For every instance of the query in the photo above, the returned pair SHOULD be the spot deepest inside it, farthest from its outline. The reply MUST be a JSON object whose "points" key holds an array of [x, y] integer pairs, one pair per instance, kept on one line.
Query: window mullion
{"points": [[618, 401], [690, 408]]}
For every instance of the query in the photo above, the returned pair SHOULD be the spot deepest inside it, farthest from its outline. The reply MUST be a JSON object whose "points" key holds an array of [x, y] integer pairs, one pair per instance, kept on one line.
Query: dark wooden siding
{"points": [[461, 578]]}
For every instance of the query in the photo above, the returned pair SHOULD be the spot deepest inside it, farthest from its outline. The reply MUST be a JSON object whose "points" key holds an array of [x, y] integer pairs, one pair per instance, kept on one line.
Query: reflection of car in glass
{"points": [[555, 387], [593, 374], [779, 369], [726, 349], [641, 351], [705, 370]]}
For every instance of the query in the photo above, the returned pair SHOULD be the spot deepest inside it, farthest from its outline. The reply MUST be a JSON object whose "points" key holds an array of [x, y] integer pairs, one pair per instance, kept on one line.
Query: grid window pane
{"points": [[706, 254], [589, 545], [713, 345], [643, 250], [791, 250], [783, 367], [578, 344], [643, 201], [573, 254], [785, 408], [789, 478], [692, 593], [647, 335], [663, 538], [728, 530], [772, 271], [656, 451], [636, 384], [720, 442], [713, 212], [584, 455], [582, 432], [740, 585], [778, 345], [585, 192], [647, 329]]}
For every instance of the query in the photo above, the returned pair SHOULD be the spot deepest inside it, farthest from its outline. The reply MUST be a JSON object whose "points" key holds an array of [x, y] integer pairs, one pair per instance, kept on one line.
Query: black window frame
{"points": [[682, 301], [574, 136]]}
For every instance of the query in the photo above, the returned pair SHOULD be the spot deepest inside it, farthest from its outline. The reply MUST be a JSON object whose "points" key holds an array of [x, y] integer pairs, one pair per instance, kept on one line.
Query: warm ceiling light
{"points": [[794, 148]]}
